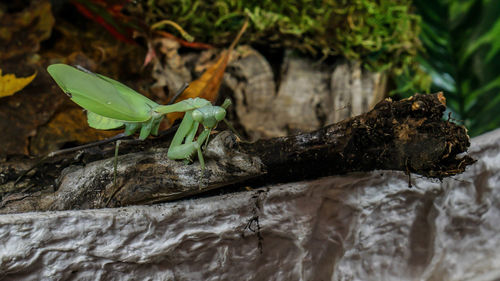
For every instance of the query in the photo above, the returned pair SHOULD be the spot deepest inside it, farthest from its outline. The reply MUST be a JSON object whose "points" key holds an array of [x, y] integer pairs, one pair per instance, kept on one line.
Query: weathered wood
{"points": [[407, 135], [309, 95], [361, 226]]}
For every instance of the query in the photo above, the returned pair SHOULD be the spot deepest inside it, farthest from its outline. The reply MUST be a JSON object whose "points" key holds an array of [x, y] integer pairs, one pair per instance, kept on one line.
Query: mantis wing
{"points": [[99, 122], [126, 91], [101, 95]]}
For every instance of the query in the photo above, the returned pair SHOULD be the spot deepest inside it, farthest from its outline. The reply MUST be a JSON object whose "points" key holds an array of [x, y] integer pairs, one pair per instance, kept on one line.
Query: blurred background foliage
{"points": [[461, 54], [425, 45], [382, 34]]}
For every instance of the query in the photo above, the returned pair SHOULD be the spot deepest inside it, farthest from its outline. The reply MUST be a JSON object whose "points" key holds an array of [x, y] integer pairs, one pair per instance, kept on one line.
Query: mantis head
{"points": [[209, 115]]}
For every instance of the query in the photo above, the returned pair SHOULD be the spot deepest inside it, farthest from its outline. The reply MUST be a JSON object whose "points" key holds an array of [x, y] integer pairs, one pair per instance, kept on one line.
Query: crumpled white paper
{"points": [[362, 226]]}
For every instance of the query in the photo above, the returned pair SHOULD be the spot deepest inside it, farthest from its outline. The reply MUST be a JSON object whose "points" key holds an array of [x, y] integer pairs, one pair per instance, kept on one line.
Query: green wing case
{"points": [[102, 95], [99, 122]]}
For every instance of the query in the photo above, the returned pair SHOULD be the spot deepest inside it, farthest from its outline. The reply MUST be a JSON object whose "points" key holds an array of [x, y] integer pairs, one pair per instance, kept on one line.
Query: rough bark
{"points": [[361, 226], [407, 135]]}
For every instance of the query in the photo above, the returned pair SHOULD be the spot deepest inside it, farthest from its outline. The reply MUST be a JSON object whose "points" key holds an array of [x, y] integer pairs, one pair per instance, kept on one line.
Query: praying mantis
{"points": [[111, 105]]}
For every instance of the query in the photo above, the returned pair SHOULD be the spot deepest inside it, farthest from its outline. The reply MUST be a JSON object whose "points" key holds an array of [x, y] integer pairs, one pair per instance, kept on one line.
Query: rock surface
{"points": [[363, 226]]}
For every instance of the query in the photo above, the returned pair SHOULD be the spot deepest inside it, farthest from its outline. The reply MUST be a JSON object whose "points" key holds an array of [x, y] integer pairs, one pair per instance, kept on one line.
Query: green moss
{"points": [[382, 34]]}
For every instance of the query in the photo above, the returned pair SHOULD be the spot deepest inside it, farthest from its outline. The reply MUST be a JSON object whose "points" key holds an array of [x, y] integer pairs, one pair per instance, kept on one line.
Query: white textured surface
{"points": [[368, 226]]}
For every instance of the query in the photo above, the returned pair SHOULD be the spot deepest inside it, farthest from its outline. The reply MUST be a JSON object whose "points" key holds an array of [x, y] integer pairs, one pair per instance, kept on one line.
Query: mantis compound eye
{"points": [[219, 113], [197, 116]]}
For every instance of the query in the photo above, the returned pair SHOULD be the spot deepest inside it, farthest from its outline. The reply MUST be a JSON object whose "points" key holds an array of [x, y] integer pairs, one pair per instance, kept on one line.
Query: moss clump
{"points": [[382, 34]]}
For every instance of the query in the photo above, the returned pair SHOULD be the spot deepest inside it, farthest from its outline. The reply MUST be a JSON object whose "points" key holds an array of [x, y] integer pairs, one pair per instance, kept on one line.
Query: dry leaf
{"points": [[169, 69], [22, 114], [207, 86], [22, 31], [67, 126], [10, 84]]}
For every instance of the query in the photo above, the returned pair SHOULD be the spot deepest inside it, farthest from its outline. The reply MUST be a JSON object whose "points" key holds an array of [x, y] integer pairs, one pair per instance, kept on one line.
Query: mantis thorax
{"points": [[209, 115]]}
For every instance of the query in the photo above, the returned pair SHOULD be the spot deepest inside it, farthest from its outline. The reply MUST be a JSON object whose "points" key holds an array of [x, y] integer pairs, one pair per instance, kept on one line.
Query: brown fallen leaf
{"points": [[22, 113], [67, 126], [10, 84], [207, 86], [22, 31], [169, 68]]}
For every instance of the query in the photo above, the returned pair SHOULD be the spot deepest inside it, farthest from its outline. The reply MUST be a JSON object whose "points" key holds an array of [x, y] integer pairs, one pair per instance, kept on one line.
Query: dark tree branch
{"points": [[407, 135]]}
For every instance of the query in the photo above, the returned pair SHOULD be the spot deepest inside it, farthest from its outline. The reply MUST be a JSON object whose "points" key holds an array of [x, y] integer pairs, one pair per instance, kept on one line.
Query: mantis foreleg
{"points": [[183, 146], [182, 106], [186, 150], [185, 128]]}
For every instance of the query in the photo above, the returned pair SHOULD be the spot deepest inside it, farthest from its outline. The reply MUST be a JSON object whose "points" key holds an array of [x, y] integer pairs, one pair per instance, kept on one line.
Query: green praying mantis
{"points": [[111, 105]]}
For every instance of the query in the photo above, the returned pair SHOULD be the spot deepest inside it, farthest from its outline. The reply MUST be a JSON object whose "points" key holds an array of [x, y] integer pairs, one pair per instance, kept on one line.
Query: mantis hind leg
{"points": [[185, 129]]}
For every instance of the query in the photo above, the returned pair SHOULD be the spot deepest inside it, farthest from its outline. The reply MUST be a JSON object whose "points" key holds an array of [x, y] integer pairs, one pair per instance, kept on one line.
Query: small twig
{"points": [[115, 166], [120, 136], [178, 93]]}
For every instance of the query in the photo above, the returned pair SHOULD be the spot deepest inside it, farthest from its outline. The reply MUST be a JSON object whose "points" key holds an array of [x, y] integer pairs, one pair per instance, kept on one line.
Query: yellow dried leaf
{"points": [[10, 84]]}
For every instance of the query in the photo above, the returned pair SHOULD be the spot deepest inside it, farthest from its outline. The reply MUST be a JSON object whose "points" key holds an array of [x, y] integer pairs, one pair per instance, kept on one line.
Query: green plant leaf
{"points": [[462, 54]]}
